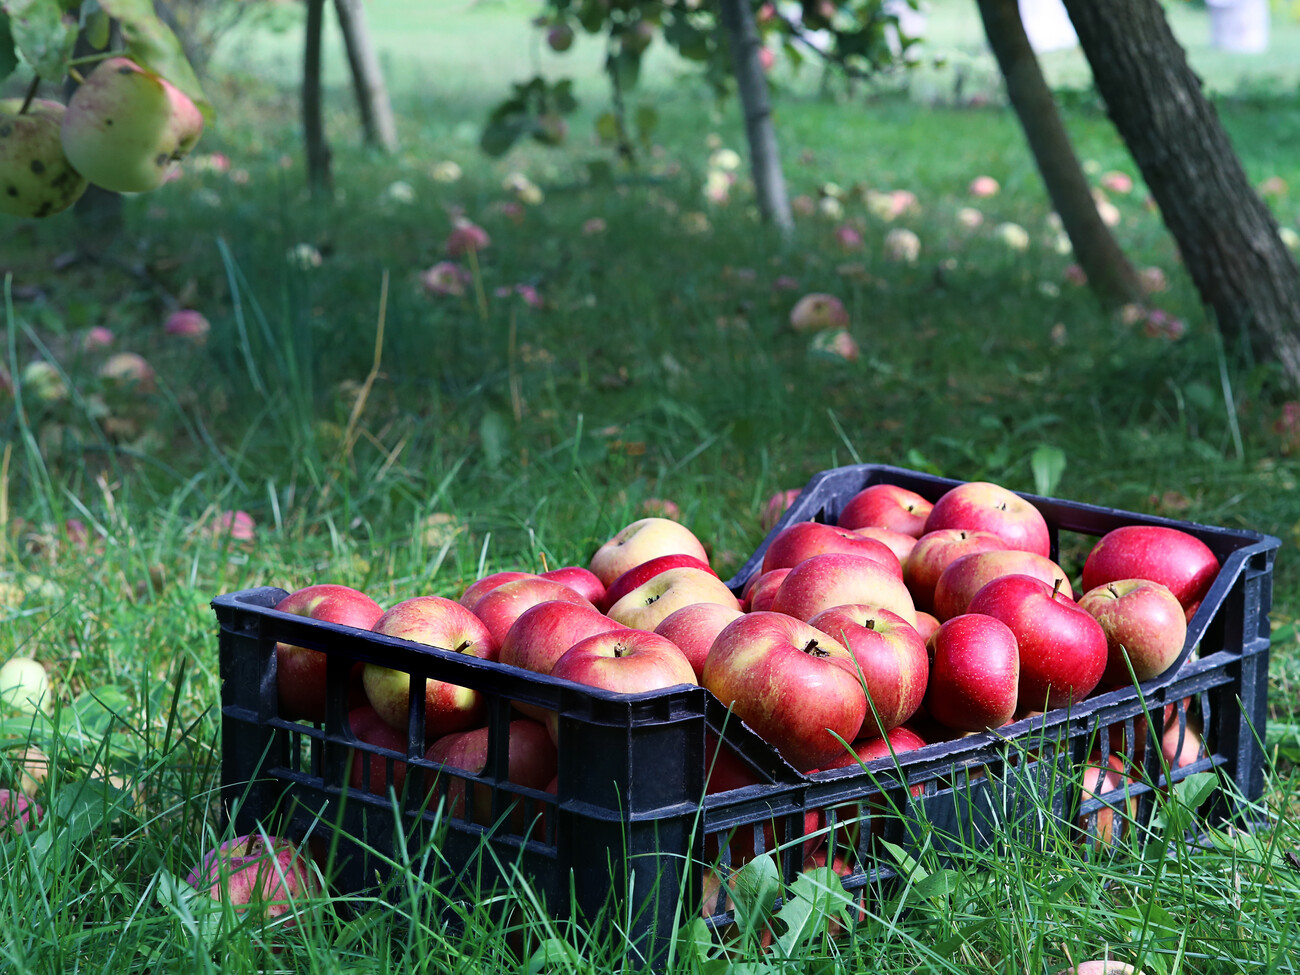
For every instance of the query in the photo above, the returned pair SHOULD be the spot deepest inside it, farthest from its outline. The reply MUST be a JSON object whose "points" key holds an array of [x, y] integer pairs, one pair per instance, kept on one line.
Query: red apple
{"points": [[926, 625], [476, 590], [544, 633], [17, 812], [436, 622], [776, 506], [1181, 747], [646, 571], [962, 579], [1180, 561], [764, 590], [267, 874], [801, 541], [1062, 648], [891, 658], [693, 629], [531, 762], [626, 662], [368, 770], [1106, 782], [642, 541], [650, 603], [974, 674], [898, 543], [886, 506], [935, 551], [981, 506], [500, 607], [823, 581], [582, 581], [794, 685], [300, 672], [1142, 620]]}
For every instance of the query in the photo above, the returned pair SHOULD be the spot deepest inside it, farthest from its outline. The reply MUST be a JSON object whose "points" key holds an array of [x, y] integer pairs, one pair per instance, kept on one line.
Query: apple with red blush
{"points": [[1172, 557], [764, 589], [479, 588], [974, 673], [369, 770], [898, 543], [982, 506], [643, 573], [265, 874], [886, 506], [823, 581], [693, 629], [1143, 621], [625, 662], [962, 579], [300, 673], [650, 603], [934, 552], [776, 506], [1108, 783], [581, 580], [805, 539], [641, 541], [500, 607], [544, 633], [531, 762]]}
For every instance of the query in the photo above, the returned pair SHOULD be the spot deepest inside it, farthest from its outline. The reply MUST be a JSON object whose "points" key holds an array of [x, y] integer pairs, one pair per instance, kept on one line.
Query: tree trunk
{"points": [[319, 175], [367, 77], [764, 154], [1228, 237], [1110, 274]]}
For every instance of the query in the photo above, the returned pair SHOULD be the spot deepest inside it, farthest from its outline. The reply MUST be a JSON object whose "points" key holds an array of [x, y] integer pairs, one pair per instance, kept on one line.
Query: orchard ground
{"points": [[623, 342]]}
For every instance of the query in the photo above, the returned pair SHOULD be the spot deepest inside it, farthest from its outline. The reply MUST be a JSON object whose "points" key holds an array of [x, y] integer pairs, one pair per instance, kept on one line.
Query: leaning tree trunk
{"points": [[319, 175], [1110, 274], [367, 77], [764, 154], [1228, 237]]}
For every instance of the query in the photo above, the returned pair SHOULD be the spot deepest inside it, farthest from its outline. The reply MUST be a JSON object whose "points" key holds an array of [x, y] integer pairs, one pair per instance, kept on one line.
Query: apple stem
{"points": [[31, 94], [464, 646], [620, 650], [814, 650], [870, 624], [1112, 591], [1056, 586]]}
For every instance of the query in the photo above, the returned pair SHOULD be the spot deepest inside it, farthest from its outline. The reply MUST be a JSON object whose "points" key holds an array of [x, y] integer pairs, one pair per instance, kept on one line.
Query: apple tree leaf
{"points": [[8, 53], [43, 33], [1048, 464], [152, 44]]}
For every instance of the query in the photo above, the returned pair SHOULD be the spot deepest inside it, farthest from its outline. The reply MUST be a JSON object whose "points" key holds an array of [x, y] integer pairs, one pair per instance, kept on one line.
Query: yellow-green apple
{"points": [[1169, 556], [626, 662], [898, 543], [300, 671], [891, 659], [966, 576], [126, 127], [763, 589], [1062, 648], [500, 607], [479, 588], [17, 812], [436, 622], [1144, 621], [641, 541], [36, 179], [694, 628], [25, 686], [974, 673], [803, 540], [650, 603], [646, 571], [268, 875], [823, 581], [369, 770], [795, 686], [531, 762], [776, 506], [886, 506], [935, 551], [981, 506], [581, 580]]}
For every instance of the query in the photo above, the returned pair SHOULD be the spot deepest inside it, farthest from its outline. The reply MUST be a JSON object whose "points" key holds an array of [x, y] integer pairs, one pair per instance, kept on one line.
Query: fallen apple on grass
{"points": [[18, 812], [268, 875]]}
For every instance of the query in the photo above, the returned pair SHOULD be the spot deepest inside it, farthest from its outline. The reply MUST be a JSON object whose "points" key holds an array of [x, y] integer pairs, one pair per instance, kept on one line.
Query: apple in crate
{"points": [[500, 607], [300, 672], [650, 603], [531, 762], [641, 541], [545, 632], [626, 662], [369, 770], [1180, 561], [791, 683], [581, 580], [266, 874], [805, 539], [898, 543], [824, 581], [981, 506], [935, 551], [1106, 782], [1144, 621], [1062, 648], [763, 590], [436, 622], [643, 573], [891, 657], [974, 673], [886, 506], [693, 629], [962, 579], [481, 587]]}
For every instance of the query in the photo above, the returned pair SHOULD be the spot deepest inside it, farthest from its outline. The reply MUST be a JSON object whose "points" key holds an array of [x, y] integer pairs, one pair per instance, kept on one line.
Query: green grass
{"points": [[660, 367]]}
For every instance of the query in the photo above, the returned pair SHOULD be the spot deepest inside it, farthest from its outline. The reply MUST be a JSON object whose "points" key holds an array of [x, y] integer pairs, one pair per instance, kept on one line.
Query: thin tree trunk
{"points": [[1227, 235], [764, 154], [319, 175], [1110, 274], [367, 78]]}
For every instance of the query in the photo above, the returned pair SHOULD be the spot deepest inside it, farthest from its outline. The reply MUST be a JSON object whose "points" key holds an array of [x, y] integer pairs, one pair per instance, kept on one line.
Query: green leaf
{"points": [[495, 435], [554, 955], [502, 133], [43, 33], [8, 53], [626, 67], [815, 897], [1048, 464], [98, 28], [152, 44], [939, 884], [562, 97], [646, 121], [755, 889], [1196, 788], [607, 128]]}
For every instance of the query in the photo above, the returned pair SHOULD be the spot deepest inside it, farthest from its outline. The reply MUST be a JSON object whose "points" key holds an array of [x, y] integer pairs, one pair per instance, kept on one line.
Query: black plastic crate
{"points": [[630, 814]]}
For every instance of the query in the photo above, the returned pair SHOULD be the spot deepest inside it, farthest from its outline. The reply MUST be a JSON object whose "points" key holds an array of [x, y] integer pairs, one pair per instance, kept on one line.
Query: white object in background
{"points": [[911, 24], [1047, 25], [1239, 25]]}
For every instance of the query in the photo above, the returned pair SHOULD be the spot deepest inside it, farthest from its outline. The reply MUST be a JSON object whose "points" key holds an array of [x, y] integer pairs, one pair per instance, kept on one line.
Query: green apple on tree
{"points": [[36, 179]]}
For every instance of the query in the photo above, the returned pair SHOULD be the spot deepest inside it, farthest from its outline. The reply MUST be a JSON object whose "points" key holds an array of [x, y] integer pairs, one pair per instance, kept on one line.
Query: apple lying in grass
{"points": [[1143, 621], [935, 551], [300, 672], [642, 541], [794, 685], [1100, 966], [824, 581], [25, 686], [693, 629], [500, 607], [1106, 782], [18, 812], [776, 506], [266, 874], [962, 579], [531, 762], [1172, 557], [974, 673], [801, 541], [981, 506], [650, 603], [886, 506]]}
